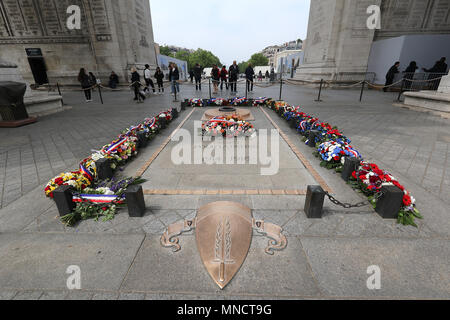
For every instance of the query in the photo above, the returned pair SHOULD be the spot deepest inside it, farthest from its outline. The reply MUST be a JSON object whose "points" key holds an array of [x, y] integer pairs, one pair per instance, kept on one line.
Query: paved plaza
{"points": [[326, 258]]}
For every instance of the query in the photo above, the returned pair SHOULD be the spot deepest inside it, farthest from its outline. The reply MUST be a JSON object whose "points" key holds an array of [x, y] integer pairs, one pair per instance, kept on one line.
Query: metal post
{"points": [[362, 90], [281, 87], [59, 91], [100, 93], [320, 91], [401, 89], [210, 96], [246, 88]]}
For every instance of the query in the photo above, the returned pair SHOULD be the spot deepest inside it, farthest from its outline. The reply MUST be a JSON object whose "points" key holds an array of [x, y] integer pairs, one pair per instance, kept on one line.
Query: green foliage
{"points": [[259, 60], [204, 58], [165, 51]]}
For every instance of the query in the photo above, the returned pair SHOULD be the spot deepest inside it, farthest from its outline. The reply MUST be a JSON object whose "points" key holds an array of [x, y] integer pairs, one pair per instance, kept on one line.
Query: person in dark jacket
{"points": [[174, 76], [223, 77], [409, 73], [83, 78], [136, 84], [250, 75], [267, 75], [198, 70], [391, 75], [92, 79], [159, 76], [439, 69], [233, 75], [191, 76], [215, 75], [113, 80], [148, 79]]}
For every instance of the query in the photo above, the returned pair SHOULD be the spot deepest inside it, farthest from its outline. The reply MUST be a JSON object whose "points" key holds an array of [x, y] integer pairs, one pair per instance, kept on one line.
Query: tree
{"points": [[165, 51], [259, 60], [203, 57]]}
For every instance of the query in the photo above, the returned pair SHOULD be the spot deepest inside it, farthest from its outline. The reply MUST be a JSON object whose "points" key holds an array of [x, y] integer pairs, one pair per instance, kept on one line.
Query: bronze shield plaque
{"points": [[224, 233]]}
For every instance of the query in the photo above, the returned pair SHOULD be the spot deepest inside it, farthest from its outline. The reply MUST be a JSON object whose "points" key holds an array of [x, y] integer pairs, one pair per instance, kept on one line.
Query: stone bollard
{"points": [[312, 138], [174, 113], [184, 104], [162, 122], [104, 170], [63, 198], [389, 205], [135, 200], [315, 198], [142, 139], [350, 165]]}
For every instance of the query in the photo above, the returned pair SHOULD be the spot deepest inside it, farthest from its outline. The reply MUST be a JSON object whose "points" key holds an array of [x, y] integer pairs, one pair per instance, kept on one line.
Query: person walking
{"points": [[136, 84], [233, 75], [198, 77], [113, 80], [260, 76], [267, 75], [391, 75], [191, 75], [215, 75], [250, 75], [409, 74], [148, 79], [223, 78], [159, 76], [174, 76], [83, 78]]}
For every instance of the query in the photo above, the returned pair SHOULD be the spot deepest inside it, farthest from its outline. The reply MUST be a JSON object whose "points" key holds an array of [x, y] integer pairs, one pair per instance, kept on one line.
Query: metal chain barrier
{"points": [[348, 205]]}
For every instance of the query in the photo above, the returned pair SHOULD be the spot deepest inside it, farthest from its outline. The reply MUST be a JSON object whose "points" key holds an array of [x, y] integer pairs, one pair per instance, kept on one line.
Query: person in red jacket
{"points": [[223, 78]]}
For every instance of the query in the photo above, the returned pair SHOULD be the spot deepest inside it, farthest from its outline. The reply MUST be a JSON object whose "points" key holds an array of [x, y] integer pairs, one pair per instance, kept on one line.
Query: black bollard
{"points": [[162, 122], [174, 113], [142, 139], [312, 138], [134, 196], [104, 170], [315, 198], [320, 91], [350, 165], [362, 91], [63, 198], [389, 205], [183, 105], [293, 123]]}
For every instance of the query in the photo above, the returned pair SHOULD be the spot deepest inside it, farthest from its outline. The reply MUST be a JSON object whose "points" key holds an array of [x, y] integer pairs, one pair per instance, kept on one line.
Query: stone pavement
{"points": [[328, 258]]}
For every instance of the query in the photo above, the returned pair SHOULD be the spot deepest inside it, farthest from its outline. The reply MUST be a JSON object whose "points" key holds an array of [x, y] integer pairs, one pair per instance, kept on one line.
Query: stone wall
{"points": [[114, 35]]}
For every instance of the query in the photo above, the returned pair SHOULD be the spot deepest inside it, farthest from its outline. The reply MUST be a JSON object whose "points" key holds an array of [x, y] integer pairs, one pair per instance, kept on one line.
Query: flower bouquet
{"points": [[370, 179], [238, 101], [195, 103], [102, 201], [333, 153], [217, 102], [230, 126]]}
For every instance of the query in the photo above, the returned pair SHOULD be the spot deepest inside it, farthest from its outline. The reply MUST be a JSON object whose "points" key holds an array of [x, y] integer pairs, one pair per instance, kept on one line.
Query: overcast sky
{"points": [[231, 29]]}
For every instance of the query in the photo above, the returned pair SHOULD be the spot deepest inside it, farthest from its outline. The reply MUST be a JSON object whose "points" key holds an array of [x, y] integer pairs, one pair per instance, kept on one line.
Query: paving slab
{"points": [[183, 272], [412, 268], [32, 261]]}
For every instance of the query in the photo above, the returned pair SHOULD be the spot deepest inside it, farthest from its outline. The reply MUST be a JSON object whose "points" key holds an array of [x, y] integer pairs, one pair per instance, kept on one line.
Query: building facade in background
{"points": [[114, 36], [340, 46]]}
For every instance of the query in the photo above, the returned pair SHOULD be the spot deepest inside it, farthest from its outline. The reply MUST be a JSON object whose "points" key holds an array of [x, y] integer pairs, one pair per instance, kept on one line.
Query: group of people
{"points": [[439, 68], [136, 82], [224, 77]]}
